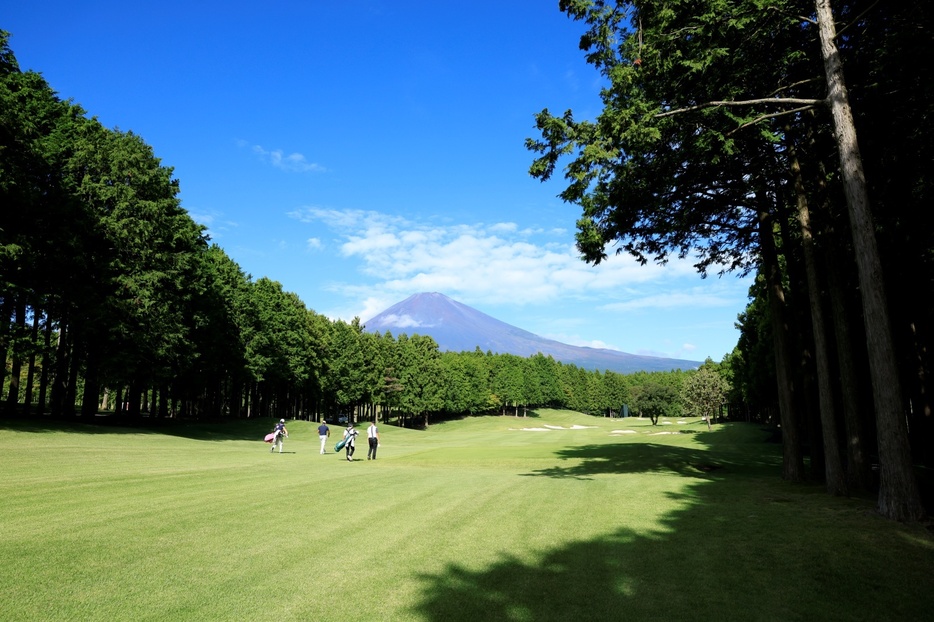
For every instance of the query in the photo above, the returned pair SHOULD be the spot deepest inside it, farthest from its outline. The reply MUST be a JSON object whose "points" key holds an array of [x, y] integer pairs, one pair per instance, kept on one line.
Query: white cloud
{"points": [[372, 306], [505, 227], [293, 162], [314, 244], [695, 297], [576, 340], [214, 221], [494, 263], [202, 218], [369, 242], [401, 321]]}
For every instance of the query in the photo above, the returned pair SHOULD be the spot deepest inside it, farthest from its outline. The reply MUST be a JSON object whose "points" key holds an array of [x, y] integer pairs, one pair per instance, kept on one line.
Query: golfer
{"points": [[280, 433], [372, 438], [323, 433], [350, 436]]}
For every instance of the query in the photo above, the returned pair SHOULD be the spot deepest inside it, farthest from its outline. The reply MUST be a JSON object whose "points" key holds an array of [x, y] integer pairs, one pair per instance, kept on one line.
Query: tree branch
{"points": [[747, 102], [768, 116], [794, 84]]}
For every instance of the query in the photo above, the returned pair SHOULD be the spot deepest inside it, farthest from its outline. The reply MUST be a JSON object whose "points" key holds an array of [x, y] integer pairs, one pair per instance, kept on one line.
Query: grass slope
{"points": [[556, 516]]}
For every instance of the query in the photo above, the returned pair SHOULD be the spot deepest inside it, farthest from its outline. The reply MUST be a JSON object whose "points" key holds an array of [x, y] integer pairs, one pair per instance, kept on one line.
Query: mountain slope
{"points": [[457, 327]]}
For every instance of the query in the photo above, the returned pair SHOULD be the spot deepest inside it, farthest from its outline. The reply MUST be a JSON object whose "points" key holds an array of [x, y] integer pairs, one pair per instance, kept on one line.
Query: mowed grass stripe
{"points": [[472, 519]]}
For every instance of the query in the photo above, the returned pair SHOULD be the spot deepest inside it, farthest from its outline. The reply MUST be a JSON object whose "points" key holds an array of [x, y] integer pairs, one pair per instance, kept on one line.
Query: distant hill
{"points": [[457, 327]]}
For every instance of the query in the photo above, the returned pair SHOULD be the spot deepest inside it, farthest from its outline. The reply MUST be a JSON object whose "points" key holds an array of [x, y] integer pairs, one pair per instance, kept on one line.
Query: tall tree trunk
{"points": [[163, 401], [899, 497], [46, 366], [153, 406], [792, 460], [833, 466], [800, 338], [858, 470], [235, 397], [6, 313], [60, 372], [134, 399], [92, 389], [16, 357], [31, 364], [71, 388]]}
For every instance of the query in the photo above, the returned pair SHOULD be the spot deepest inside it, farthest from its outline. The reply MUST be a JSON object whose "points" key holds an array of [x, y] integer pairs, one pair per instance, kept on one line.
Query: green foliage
{"points": [[666, 167], [656, 399], [465, 382], [348, 364], [703, 393]]}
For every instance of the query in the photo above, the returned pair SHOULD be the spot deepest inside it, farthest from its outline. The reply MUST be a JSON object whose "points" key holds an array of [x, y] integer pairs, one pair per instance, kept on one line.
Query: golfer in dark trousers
{"points": [[372, 437]]}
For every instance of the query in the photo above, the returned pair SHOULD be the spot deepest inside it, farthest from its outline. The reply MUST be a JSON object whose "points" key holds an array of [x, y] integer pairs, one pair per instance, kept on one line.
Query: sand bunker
{"points": [[549, 428], [623, 432]]}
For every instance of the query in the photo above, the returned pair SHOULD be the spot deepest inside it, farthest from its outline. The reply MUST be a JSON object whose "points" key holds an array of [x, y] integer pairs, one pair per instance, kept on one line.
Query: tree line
{"points": [[789, 139], [113, 299]]}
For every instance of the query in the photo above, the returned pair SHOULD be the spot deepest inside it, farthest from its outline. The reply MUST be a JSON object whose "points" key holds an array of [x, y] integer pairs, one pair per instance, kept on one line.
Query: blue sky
{"points": [[362, 152]]}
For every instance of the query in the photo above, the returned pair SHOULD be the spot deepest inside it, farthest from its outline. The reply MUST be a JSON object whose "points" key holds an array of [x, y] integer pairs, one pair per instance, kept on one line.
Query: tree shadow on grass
{"points": [[586, 461], [234, 430], [693, 568], [46, 424], [742, 545], [599, 579]]}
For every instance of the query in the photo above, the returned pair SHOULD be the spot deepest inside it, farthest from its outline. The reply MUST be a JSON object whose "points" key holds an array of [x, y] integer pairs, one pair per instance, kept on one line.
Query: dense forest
{"points": [[789, 139], [728, 134]]}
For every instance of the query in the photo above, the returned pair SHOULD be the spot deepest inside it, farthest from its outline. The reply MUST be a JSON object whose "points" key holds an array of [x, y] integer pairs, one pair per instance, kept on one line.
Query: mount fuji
{"points": [[457, 327]]}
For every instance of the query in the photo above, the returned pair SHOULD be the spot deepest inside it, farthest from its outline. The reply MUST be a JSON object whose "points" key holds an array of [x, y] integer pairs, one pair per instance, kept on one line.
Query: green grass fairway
{"points": [[557, 516]]}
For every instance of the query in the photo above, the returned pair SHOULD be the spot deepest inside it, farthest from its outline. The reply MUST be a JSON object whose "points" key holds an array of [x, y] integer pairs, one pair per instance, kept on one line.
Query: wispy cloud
{"points": [[575, 340], [491, 263], [214, 221], [402, 321], [711, 295], [292, 162]]}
